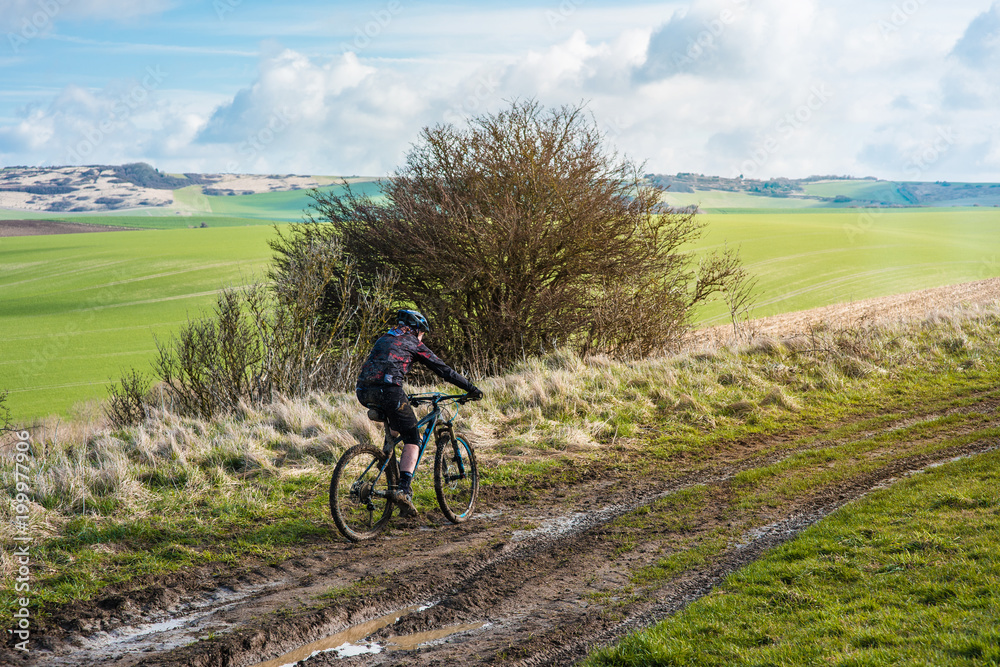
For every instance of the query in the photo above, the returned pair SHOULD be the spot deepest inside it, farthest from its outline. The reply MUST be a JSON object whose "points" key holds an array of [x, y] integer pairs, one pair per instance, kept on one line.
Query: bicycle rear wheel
{"points": [[456, 477], [359, 492]]}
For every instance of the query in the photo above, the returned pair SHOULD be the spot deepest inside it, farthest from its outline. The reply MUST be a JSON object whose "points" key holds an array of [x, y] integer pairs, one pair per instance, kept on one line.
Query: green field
{"points": [[719, 200], [80, 308], [860, 189], [809, 259], [287, 206]]}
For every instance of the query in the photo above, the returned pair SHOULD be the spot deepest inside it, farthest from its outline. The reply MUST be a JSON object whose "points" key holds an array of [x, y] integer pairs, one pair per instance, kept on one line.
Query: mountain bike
{"points": [[359, 490]]}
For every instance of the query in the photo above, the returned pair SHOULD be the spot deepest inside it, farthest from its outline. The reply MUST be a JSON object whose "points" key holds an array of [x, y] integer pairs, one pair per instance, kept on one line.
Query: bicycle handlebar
{"points": [[435, 398]]}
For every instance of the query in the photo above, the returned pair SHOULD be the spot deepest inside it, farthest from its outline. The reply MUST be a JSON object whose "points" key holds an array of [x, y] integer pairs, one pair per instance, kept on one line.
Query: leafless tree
{"points": [[524, 232]]}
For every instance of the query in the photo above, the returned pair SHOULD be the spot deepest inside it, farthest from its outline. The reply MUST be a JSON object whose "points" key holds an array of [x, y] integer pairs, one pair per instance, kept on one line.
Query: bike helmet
{"points": [[413, 319]]}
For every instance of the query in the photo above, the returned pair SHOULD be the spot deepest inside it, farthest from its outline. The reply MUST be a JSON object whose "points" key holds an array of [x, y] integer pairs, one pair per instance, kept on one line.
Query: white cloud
{"points": [[84, 126], [979, 47], [737, 39], [289, 83], [777, 90]]}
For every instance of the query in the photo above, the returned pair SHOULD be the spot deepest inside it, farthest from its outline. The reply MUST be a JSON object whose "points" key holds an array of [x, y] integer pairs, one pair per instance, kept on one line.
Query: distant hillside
{"points": [[687, 189], [135, 186], [141, 188]]}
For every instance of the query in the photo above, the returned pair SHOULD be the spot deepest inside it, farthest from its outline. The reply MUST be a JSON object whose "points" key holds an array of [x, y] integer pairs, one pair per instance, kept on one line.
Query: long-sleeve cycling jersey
{"points": [[394, 353]]}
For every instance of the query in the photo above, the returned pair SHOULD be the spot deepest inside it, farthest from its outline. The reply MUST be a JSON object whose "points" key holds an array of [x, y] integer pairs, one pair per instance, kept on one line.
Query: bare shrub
{"points": [[740, 296], [216, 362], [524, 233], [5, 423], [128, 402], [330, 310], [306, 331]]}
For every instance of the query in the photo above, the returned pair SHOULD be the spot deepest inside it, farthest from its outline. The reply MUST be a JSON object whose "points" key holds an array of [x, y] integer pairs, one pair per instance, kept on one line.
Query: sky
{"points": [[896, 89]]}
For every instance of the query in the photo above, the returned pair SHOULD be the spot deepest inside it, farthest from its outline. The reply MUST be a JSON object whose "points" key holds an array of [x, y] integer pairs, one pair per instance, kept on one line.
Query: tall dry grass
{"points": [[558, 405]]}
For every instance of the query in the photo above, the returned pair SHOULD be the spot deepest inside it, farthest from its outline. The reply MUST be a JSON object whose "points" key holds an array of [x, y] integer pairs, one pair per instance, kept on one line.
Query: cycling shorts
{"points": [[392, 401]]}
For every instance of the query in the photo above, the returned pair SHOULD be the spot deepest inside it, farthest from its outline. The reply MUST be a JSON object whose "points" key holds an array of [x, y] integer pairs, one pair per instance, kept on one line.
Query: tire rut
{"points": [[531, 586]]}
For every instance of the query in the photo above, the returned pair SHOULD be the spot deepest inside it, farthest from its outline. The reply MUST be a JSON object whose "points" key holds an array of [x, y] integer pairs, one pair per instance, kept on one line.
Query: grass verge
{"points": [[909, 575]]}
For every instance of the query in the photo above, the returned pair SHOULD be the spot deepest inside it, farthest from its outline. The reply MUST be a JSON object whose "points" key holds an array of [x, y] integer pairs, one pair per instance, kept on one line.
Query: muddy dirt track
{"points": [[539, 577]]}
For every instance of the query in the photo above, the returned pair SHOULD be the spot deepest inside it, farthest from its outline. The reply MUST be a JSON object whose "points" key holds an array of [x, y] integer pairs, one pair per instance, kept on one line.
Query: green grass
{"points": [[192, 221], [805, 260], [286, 206], [66, 342], [180, 529], [909, 575], [721, 199], [885, 191], [80, 308]]}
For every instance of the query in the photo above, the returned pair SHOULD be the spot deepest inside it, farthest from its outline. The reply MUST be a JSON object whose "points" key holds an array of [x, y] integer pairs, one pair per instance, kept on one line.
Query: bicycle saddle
{"points": [[375, 414]]}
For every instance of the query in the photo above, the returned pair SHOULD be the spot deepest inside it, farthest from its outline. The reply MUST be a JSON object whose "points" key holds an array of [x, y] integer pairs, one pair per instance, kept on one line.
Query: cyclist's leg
{"points": [[403, 420]]}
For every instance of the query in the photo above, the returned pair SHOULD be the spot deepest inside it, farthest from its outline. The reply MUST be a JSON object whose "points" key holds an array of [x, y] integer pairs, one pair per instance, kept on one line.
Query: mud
{"points": [[538, 582]]}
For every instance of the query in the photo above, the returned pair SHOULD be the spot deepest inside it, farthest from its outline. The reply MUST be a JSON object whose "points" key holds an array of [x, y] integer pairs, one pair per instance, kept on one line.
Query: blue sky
{"points": [[898, 89]]}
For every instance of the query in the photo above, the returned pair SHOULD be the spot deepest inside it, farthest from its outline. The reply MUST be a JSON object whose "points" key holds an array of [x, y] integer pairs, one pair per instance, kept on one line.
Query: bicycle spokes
{"points": [[359, 499], [456, 478]]}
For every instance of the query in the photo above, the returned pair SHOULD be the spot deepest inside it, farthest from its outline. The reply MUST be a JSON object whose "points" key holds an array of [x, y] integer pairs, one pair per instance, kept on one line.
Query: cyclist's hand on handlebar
{"points": [[474, 394]]}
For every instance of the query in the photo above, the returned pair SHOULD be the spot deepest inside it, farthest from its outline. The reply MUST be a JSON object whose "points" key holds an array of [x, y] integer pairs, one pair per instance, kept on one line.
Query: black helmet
{"points": [[413, 319]]}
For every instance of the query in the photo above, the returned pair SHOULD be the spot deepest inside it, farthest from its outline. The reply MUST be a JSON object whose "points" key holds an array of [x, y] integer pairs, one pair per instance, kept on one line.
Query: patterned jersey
{"points": [[394, 353]]}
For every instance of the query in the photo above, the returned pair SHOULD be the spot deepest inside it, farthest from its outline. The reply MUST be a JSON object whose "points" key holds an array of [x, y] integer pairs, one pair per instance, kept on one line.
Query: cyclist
{"points": [[380, 385]]}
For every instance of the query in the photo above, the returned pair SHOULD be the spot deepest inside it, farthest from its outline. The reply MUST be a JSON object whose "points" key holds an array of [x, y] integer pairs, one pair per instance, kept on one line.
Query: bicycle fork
{"points": [[446, 431]]}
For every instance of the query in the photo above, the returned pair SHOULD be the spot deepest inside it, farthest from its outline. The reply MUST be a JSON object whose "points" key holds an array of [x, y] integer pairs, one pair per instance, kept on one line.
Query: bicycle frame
{"points": [[426, 426]]}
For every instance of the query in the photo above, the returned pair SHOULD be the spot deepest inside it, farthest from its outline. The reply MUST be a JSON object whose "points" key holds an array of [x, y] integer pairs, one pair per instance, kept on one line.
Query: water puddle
{"points": [[351, 642], [411, 642], [193, 616]]}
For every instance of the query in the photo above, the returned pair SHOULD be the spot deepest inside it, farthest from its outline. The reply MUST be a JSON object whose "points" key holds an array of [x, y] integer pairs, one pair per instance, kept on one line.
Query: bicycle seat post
{"points": [[388, 445]]}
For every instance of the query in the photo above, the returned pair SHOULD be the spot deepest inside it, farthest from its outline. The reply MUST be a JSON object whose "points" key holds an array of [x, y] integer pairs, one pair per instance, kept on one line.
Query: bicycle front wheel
{"points": [[456, 477], [359, 492]]}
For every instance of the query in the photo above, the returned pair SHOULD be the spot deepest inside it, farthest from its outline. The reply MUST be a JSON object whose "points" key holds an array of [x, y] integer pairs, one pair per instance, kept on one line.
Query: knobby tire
{"points": [[456, 477], [359, 499]]}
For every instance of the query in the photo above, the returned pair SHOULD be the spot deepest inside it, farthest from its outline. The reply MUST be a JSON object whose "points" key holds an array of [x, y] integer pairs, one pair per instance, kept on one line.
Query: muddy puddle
{"points": [[352, 641]]}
